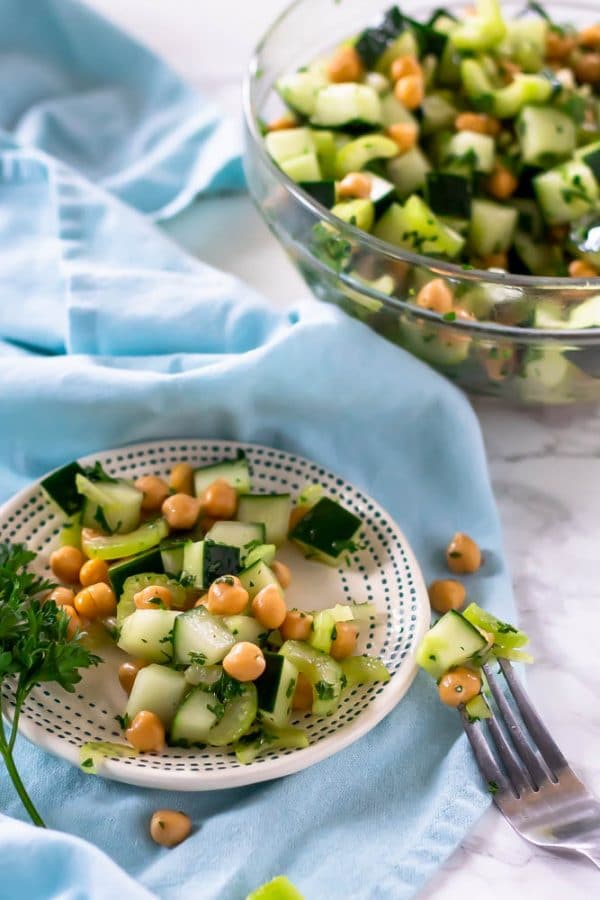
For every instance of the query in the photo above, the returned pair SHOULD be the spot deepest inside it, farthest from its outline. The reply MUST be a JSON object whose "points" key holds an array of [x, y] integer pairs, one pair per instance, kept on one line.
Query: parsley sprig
{"points": [[34, 648]]}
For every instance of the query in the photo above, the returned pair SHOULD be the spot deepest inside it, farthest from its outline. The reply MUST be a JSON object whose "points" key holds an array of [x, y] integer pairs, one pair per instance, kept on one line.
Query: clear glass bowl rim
{"points": [[442, 268]]}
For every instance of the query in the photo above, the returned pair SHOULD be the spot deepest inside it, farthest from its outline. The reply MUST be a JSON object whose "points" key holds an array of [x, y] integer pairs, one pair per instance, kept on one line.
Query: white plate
{"points": [[384, 572]]}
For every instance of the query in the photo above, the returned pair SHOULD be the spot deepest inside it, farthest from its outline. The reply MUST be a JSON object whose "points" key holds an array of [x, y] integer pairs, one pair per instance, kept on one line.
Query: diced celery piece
{"points": [[364, 670]]}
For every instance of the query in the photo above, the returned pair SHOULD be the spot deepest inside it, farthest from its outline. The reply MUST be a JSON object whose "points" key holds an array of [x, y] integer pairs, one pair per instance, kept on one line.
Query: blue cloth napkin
{"points": [[110, 334]]}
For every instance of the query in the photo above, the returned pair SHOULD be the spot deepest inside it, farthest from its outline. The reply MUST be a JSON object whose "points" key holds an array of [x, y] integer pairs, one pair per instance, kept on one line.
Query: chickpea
{"points": [[446, 594], [282, 123], [459, 686], [269, 607], [181, 479], [227, 597], [404, 135], [154, 596], [169, 827], [481, 123], [220, 500], [495, 261], [296, 515], [344, 643], [345, 65], [74, 621], [436, 295], [590, 36], [405, 65], [587, 68], [282, 573], [499, 362], [62, 596], [146, 732], [128, 673], [66, 563], [245, 662], [181, 511], [501, 183], [410, 91], [93, 571], [96, 601], [355, 184], [463, 556], [155, 492], [201, 601], [558, 46], [579, 268], [296, 626], [303, 695]]}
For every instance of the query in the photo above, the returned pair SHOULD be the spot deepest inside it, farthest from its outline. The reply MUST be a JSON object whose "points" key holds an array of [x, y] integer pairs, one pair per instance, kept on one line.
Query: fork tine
{"points": [[548, 748], [533, 766], [511, 762], [488, 766]]}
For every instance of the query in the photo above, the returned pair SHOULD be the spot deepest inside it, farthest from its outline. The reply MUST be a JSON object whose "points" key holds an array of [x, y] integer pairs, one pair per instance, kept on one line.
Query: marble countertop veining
{"points": [[545, 467]]}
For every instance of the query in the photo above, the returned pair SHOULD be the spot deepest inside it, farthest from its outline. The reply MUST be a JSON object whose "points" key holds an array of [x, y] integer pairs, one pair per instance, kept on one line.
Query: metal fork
{"points": [[530, 779]]}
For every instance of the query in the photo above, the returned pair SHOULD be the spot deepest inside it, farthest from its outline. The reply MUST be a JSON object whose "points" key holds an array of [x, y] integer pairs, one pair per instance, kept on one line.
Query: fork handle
{"points": [[593, 854]]}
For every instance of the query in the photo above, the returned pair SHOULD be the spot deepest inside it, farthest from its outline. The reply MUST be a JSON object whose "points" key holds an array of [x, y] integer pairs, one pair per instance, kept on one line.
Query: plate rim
{"points": [[368, 719]]}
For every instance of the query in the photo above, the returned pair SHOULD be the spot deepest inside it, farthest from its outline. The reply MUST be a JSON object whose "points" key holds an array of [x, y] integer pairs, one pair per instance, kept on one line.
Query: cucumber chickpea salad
{"points": [[457, 647], [472, 139], [185, 577]]}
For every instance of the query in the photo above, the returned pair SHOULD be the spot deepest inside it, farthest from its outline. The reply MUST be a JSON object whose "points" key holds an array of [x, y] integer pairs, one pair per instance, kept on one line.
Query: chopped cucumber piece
{"points": [[322, 191], [324, 673], [111, 506], [505, 102], [269, 738], [393, 112], [375, 40], [271, 510], [586, 314], [299, 90], [323, 631], [148, 634], [302, 168], [477, 708], [408, 172], [357, 154], [327, 532], [117, 546], [472, 150], [356, 212], [540, 259], [364, 670], [244, 534], [453, 641], [590, 155], [256, 577], [195, 718], [415, 227], [204, 562], [119, 572], [404, 45], [264, 552], [135, 583], [235, 472], [200, 638], [546, 135], [159, 690], [347, 106], [567, 192], [61, 488], [438, 113], [492, 227], [281, 146], [171, 555], [326, 145], [276, 688], [383, 192], [525, 42], [245, 628], [93, 753]]}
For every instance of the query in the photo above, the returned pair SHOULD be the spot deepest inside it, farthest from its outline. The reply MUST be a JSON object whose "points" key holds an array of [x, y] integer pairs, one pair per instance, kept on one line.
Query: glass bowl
{"points": [[498, 354]]}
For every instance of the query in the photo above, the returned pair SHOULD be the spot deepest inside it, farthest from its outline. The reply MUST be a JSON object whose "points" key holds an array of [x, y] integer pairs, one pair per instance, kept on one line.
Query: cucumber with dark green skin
{"points": [[449, 195], [322, 191], [61, 488], [327, 530], [151, 561], [205, 561], [373, 41], [276, 687]]}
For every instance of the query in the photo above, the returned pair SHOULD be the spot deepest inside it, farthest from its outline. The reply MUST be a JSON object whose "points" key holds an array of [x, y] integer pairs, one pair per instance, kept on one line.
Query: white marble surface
{"points": [[545, 468]]}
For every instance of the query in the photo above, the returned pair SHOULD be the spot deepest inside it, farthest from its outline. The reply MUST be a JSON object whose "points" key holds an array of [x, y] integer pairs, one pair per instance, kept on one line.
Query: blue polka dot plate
{"points": [[383, 571]]}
